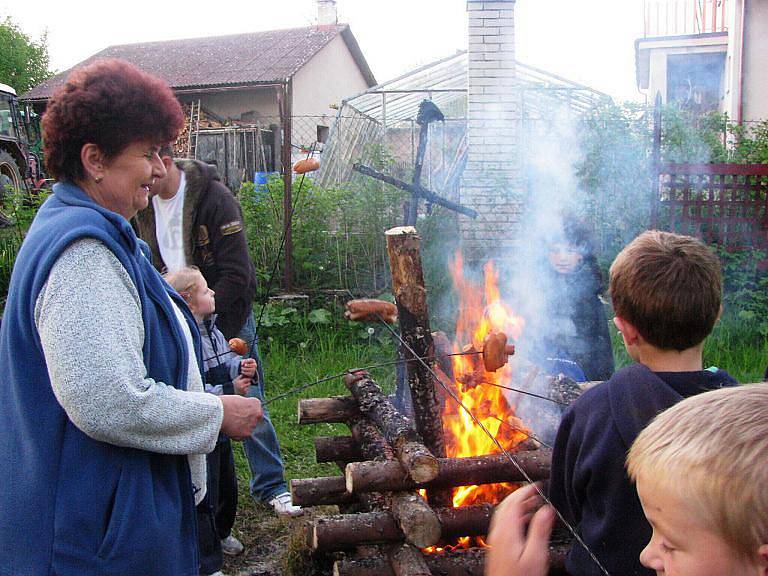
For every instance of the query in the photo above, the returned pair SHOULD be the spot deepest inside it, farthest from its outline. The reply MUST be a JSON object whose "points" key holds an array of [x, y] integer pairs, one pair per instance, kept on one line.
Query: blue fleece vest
{"points": [[69, 504]]}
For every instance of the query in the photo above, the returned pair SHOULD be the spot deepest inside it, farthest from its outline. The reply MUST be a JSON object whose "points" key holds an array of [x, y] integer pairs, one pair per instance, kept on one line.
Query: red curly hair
{"points": [[111, 104]]}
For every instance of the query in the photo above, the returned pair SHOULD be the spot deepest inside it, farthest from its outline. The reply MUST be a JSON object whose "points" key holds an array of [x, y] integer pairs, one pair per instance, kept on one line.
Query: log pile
{"points": [[385, 463], [387, 459]]}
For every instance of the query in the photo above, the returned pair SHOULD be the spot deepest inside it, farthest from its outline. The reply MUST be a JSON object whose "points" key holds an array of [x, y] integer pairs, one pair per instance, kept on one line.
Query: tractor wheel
{"points": [[10, 175]]}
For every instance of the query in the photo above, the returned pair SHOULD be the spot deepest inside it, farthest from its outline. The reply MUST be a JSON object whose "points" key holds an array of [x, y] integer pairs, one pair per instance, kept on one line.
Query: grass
{"points": [[276, 546], [738, 346]]}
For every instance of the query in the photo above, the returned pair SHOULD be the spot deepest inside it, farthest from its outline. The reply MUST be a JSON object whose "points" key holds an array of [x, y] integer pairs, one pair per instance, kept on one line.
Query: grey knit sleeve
{"points": [[88, 316]]}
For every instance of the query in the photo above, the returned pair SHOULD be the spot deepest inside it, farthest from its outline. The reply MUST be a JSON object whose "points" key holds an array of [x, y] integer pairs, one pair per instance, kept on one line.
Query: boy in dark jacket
{"points": [[575, 339], [225, 373], [666, 292]]}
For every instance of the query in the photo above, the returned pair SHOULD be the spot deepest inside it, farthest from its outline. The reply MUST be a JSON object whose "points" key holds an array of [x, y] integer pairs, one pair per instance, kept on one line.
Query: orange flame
{"points": [[481, 312]]}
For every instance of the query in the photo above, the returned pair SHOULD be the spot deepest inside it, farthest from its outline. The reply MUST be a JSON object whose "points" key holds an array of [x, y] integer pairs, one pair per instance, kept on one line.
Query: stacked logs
{"points": [[385, 463], [387, 458]]}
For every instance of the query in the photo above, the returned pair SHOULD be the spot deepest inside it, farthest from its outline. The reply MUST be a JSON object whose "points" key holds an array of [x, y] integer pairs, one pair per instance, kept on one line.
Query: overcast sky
{"points": [[588, 41]]}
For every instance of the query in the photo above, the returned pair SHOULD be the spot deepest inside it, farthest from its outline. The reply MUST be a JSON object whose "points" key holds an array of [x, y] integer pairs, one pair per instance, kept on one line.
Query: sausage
{"points": [[238, 346], [367, 310], [306, 165]]}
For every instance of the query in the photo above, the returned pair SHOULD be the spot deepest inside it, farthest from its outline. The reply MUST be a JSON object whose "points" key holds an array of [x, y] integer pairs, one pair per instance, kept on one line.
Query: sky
{"points": [[587, 41]]}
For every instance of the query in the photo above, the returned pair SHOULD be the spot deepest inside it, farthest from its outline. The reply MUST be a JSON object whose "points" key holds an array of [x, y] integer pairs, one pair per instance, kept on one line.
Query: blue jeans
{"points": [[262, 449]]}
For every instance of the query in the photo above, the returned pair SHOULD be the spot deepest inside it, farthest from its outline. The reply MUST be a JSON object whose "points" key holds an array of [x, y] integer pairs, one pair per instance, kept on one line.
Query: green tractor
{"points": [[19, 166]]}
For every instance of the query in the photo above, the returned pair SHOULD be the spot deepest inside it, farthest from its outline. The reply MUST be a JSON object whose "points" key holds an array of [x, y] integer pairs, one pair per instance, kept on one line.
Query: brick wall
{"points": [[492, 181]]}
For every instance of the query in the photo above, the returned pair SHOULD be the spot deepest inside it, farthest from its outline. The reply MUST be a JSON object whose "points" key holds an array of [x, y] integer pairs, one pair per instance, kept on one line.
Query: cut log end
{"points": [[424, 468], [397, 230]]}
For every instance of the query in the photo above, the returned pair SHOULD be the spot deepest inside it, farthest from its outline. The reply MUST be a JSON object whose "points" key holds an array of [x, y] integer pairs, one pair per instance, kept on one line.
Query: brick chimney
{"points": [[492, 180], [326, 12]]}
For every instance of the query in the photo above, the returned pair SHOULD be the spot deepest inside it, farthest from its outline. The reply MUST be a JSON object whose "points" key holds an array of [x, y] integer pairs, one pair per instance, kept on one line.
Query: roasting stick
{"points": [[509, 456], [303, 387]]}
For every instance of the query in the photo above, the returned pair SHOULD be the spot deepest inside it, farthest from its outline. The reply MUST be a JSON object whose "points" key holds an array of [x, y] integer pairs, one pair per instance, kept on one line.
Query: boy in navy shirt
{"points": [[666, 292]]}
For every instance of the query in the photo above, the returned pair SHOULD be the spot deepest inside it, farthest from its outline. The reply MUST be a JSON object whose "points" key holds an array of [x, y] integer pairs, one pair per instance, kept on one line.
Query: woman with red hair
{"points": [[104, 421]]}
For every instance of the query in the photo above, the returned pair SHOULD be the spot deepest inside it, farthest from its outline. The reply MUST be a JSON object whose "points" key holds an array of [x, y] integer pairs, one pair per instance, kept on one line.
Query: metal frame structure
{"points": [[371, 119]]}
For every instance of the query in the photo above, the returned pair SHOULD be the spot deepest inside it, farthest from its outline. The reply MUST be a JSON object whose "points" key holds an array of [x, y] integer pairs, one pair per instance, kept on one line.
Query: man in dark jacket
{"points": [[194, 220]]}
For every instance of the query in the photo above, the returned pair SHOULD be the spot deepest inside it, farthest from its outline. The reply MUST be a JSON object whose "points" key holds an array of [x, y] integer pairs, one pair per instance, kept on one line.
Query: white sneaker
{"points": [[231, 546], [283, 505]]}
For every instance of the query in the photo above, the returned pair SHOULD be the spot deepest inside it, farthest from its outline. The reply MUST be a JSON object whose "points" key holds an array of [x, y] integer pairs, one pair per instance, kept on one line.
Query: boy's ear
{"points": [[628, 331]]}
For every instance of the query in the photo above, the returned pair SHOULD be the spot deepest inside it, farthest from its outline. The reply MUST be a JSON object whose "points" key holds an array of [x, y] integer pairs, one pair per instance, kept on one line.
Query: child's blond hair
{"points": [[185, 281], [711, 450]]}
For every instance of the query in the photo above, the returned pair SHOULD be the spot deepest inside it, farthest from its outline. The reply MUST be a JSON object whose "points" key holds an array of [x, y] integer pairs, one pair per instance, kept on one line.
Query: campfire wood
{"points": [[406, 560], [469, 562], [373, 445], [323, 491], [331, 410], [337, 449], [346, 531], [452, 472], [408, 446], [403, 247]]}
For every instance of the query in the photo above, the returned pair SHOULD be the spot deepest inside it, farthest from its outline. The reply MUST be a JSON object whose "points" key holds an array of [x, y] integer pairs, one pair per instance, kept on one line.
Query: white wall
{"points": [[330, 76], [755, 70]]}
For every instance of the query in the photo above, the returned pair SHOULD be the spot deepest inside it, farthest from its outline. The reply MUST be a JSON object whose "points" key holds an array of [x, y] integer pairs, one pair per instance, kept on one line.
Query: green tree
{"points": [[23, 61]]}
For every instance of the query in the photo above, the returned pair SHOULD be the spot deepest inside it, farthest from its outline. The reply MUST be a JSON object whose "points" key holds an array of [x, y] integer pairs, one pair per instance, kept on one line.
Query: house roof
{"points": [[216, 61]]}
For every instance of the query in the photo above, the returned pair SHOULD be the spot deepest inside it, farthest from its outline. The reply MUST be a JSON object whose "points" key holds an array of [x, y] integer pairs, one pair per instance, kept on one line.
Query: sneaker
{"points": [[231, 546], [283, 505]]}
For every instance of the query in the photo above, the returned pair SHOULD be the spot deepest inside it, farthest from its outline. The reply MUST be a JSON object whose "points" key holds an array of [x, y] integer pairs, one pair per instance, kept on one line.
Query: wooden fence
{"points": [[723, 204]]}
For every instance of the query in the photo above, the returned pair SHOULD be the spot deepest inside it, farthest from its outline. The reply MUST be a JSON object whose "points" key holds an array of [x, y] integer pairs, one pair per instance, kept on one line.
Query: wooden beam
{"points": [[403, 247], [490, 469]]}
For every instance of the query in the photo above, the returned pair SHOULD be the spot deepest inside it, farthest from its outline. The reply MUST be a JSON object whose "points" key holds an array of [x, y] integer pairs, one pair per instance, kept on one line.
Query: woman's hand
{"points": [[242, 383], [241, 415], [514, 552], [248, 367]]}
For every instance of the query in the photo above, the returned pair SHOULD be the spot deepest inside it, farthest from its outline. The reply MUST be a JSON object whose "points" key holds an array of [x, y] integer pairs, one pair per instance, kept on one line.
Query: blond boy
{"points": [[701, 469]]}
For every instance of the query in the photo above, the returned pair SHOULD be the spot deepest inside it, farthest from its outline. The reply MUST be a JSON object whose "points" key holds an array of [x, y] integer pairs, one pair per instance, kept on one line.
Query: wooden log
{"points": [[465, 521], [349, 530], [372, 445], [337, 449], [468, 562], [333, 409], [405, 560], [490, 469], [346, 531], [403, 247], [409, 449], [320, 491], [416, 519]]}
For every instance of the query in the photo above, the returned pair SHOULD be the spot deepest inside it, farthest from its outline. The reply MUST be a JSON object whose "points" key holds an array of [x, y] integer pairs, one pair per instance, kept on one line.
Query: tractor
{"points": [[19, 166]]}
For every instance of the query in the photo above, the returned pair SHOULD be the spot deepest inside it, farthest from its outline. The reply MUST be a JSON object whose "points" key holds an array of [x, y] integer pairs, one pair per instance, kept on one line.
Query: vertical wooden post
{"points": [[403, 246], [287, 119]]}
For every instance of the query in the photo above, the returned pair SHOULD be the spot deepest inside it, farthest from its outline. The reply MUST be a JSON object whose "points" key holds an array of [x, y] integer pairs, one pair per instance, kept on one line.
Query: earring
{"points": [[98, 179]]}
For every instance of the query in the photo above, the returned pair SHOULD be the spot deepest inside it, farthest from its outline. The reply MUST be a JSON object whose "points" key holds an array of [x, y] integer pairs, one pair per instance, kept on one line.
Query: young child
{"points": [[225, 373], [575, 340], [666, 291], [701, 469]]}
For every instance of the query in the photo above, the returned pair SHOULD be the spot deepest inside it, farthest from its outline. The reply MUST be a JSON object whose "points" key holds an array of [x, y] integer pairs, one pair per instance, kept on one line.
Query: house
{"points": [[706, 55], [260, 87]]}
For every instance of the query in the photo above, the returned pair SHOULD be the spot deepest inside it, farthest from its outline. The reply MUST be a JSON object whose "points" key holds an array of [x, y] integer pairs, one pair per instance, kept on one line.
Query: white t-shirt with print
{"points": [[169, 227]]}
